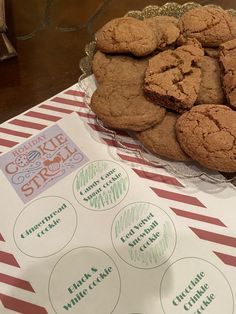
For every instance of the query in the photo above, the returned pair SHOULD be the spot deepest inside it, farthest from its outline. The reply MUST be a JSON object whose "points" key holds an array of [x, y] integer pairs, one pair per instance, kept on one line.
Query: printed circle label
{"points": [[101, 185], [143, 235], [195, 286], [84, 281], [45, 226]]}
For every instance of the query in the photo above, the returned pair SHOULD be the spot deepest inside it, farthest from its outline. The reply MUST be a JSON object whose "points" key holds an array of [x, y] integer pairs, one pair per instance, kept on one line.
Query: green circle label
{"points": [[195, 286], [84, 281], [143, 235], [101, 185], [45, 226]]}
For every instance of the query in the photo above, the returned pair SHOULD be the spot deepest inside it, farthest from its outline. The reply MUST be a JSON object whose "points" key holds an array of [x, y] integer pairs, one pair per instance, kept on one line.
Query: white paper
{"points": [[101, 240]]}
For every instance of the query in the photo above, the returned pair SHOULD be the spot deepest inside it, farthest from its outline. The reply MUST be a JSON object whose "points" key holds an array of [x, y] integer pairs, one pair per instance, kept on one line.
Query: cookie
{"points": [[124, 106], [161, 139], [207, 134], [126, 35], [212, 52], [210, 91], [188, 41], [173, 77], [118, 68], [165, 28], [228, 62], [210, 25], [163, 19]]}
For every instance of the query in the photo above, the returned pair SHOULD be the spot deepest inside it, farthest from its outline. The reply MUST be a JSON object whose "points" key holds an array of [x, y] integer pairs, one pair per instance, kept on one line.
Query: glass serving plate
{"points": [[181, 169]]}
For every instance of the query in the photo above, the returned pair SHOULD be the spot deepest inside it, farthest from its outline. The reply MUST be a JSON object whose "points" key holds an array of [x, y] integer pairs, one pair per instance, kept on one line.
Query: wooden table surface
{"points": [[49, 36]]}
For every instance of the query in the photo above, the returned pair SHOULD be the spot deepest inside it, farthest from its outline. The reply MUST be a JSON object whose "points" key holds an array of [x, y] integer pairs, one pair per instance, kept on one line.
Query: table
{"points": [[49, 36]]}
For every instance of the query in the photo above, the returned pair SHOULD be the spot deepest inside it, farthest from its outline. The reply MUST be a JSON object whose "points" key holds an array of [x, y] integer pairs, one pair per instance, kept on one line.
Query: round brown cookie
{"points": [[207, 133], [118, 68], [124, 106], [210, 91], [173, 77], [210, 25], [165, 28], [161, 139], [126, 35]]}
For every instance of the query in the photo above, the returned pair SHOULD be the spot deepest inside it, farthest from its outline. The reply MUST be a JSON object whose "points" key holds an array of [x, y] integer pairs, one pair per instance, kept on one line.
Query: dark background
{"points": [[50, 36]]}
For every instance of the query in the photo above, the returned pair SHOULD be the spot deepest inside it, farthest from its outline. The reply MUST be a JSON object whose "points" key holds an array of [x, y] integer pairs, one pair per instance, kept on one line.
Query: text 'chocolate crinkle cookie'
{"points": [[165, 29], [126, 35], [161, 139], [210, 25], [207, 133], [173, 77], [210, 91], [228, 61], [118, 68], [123, 106]]}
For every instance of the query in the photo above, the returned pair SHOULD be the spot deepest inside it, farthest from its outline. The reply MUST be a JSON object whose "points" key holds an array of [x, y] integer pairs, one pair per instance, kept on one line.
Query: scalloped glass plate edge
{"points": [[171, 9]]}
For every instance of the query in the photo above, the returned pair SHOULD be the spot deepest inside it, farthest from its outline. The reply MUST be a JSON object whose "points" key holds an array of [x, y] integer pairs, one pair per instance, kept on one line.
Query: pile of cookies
{"points": [[172, 82]]}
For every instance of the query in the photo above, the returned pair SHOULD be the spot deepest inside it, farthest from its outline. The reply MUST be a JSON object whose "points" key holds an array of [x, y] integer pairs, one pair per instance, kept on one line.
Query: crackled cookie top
{"points": [[173, 77], [161, 139], [165, 28], [207, 133], [124, 106], [162, 19], [210, 91], [228, 61], [126, 35], [211, 26], [118, 68]]}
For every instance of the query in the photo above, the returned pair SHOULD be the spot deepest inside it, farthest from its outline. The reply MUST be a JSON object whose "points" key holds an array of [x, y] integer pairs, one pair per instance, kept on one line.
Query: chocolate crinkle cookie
{"points": [[161, 139], [228, 62], [118, 68], [126, 35], [124, 106], [210, 25], [207, 133], [173, 77]]}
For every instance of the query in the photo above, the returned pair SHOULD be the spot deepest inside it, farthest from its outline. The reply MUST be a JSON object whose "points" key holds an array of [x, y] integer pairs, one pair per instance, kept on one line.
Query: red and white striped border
{"points": [[9, 302], [17, 130]]}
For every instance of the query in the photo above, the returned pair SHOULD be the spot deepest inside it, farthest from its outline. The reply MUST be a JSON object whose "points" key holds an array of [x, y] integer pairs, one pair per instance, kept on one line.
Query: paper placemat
{"points": [[87, 227]]}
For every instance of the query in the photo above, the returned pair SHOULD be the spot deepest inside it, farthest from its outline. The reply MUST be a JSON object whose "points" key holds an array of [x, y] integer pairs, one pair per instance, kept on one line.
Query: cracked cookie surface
{"points": [[124, 106], [173, 77], [211, 26], [165, 29], [118, 68], [161, 139], [210, 91], [126, 35], [207, 133], [228, 61]]}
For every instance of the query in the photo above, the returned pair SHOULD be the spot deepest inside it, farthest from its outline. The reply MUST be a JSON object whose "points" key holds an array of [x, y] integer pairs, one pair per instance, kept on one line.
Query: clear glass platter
{"points": [[180, 169]]}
